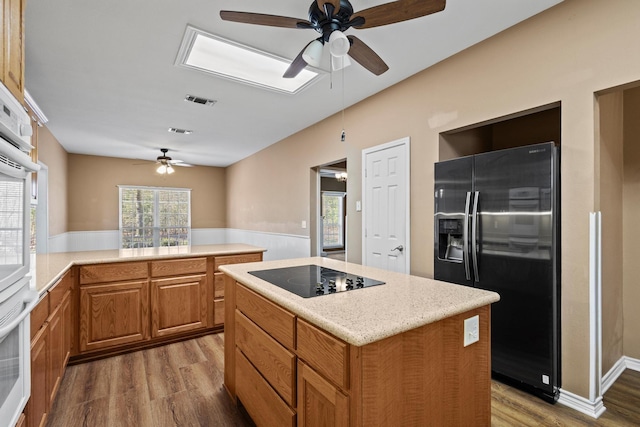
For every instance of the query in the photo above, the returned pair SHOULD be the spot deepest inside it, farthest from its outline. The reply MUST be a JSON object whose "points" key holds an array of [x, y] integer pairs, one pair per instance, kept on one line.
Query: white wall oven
{"points": [[17, 296]]}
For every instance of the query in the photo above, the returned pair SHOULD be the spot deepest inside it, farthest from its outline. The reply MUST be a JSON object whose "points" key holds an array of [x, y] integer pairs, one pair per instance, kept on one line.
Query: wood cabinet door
{"points": [[113, 314], [56, 351], [319, 402], [67, 328], [13, 76], [178, 304], [38, 405]]}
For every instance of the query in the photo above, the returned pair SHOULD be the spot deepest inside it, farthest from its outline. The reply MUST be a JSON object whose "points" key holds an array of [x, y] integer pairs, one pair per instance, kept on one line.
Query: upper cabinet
{"points": [[12, 38]]}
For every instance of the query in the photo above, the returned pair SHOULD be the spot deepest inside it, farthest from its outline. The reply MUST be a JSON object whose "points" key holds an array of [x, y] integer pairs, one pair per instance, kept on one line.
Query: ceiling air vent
{"points": [[199, 100], [182, 131]]}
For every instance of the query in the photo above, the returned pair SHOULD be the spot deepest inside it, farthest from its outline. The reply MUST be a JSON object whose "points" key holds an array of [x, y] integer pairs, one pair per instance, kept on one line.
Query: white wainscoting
{"points": [[279, 246]]}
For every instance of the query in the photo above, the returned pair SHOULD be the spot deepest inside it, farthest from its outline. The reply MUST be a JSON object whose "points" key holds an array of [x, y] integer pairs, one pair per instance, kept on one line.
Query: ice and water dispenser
{"points": [[450, 239]]}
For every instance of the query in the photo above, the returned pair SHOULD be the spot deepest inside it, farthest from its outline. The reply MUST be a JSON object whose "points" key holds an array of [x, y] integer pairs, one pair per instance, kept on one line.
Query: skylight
{"points": [[225, 58]]}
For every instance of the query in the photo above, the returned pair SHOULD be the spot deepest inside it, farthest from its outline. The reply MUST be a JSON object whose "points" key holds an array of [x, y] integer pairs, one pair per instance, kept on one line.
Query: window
{"points": [[151, 217]]}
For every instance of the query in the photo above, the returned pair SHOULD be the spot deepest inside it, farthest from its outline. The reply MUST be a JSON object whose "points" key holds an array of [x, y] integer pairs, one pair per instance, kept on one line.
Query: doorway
{"points": [[331, 212]]}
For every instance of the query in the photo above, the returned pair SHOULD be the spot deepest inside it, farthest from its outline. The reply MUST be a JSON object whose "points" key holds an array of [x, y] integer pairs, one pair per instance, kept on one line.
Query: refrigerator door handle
{"points": [[465, 237], [474, 235]]}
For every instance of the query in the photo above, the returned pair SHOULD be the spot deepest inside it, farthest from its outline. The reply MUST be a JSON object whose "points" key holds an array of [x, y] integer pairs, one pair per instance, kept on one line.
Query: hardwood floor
{"points": [[181, 384]]}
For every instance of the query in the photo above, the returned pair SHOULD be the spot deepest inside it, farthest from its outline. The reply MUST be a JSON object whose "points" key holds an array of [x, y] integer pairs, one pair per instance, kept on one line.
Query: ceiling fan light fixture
{"points": [[165, 169], [313, 53], [339, 62], [338, 43]]}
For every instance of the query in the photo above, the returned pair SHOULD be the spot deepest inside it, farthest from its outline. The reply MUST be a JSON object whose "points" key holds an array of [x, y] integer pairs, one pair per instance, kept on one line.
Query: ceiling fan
{"points": [[331, 18], [167, 163]]}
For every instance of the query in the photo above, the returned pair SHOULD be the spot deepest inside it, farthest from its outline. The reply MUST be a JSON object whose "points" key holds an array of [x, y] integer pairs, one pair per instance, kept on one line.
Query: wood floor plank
{"points": [[132, 408], [94, 413], [163, 378], [181, 384], [185, 353], [204, 376], [174, 410], [129, 373]]}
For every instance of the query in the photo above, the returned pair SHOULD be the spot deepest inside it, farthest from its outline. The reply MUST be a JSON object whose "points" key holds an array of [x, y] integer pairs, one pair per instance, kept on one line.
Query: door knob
{"points": [[398, 248]]}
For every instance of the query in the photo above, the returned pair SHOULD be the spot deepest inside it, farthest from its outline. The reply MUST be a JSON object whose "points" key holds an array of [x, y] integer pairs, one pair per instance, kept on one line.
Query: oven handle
{"points": [[31, 300]]}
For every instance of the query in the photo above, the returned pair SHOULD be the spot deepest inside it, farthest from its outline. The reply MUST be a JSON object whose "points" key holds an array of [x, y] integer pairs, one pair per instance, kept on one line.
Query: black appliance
{"points": [[313, 280], [497, 227]]}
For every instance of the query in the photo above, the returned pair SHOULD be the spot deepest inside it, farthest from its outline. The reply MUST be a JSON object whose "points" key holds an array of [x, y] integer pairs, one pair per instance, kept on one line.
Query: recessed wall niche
{"points": [[540, 124]]}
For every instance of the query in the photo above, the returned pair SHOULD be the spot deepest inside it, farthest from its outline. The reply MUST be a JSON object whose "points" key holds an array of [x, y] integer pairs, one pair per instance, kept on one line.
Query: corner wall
{"points": [[631, 227]]}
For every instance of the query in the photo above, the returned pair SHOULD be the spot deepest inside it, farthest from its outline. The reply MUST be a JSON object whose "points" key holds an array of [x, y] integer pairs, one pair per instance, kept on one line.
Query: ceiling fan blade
{"points": [[366, 57], [297, 64], [263, 19], [398, 11], [335, 3]]}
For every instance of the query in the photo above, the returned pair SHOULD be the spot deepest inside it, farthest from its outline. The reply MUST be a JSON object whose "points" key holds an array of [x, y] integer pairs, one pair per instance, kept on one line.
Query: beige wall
{"points": [[631, 214], [565, 54], [93, 192], [51, 153], [609, 175]]}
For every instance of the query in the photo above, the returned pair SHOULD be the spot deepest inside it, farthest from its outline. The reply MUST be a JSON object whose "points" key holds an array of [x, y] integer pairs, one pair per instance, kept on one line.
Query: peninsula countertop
{"points": [[363, 316], [50, 267]]}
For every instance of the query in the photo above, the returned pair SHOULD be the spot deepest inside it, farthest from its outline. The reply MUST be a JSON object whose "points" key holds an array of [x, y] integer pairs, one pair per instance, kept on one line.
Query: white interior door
{"points": [[386, 201]]}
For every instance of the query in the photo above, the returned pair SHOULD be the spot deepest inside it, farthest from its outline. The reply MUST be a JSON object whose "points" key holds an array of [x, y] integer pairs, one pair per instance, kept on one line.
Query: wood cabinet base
{"points": [[424, 376]]}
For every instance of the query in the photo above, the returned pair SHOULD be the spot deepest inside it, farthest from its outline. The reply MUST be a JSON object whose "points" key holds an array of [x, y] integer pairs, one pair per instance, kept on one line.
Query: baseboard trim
{"points": [[596, 408], [580, 404], [618, 368]]}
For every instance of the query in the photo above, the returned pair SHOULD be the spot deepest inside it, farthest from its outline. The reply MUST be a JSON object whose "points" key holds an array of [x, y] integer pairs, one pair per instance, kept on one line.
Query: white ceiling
{"points": [[103, 71]]}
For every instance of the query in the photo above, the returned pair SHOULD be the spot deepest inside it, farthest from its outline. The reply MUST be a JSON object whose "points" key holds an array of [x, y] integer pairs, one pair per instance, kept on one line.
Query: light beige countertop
{"points": [[50, 267], [363, 316]]}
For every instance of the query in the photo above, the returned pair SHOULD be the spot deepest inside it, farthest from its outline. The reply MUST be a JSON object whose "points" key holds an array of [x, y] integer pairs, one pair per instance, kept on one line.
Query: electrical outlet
{"points": [[304, 224], [471, 330]]}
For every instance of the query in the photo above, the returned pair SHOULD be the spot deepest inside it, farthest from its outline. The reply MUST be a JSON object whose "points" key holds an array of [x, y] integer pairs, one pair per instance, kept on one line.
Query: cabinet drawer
{"points": [[236, 259], [325, 353], [263, 404], [122, 271], [276, 321], [176, 267], [59, 290], [39, 315], [218, 285], [273, 361]]}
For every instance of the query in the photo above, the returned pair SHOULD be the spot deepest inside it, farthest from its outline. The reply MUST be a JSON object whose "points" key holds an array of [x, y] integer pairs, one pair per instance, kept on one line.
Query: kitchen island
{"points": [[392, 354]]}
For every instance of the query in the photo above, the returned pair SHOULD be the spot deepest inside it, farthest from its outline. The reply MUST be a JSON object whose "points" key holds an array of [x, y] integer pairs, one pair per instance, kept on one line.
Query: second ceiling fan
{"points": [[331, 18]]}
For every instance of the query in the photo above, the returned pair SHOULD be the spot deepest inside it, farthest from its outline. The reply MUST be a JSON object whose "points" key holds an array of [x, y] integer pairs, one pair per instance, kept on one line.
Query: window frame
{"points": [[156, 228]]}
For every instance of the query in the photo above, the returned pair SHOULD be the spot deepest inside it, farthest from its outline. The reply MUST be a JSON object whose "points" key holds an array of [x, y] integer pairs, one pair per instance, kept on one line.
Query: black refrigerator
{"points": [[497, 227]]}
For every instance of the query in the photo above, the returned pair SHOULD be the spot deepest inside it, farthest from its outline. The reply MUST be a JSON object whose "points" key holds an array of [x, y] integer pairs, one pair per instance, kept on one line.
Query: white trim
{"points": [[610, 377], [633, 364], [617, 369], [406, 142], [42, 119], [593, 409], [595, 306], [278, 245]]}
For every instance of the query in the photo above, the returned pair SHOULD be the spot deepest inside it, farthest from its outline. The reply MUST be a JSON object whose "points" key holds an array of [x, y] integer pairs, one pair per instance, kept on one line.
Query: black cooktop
{"points": [[312, 280]]}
